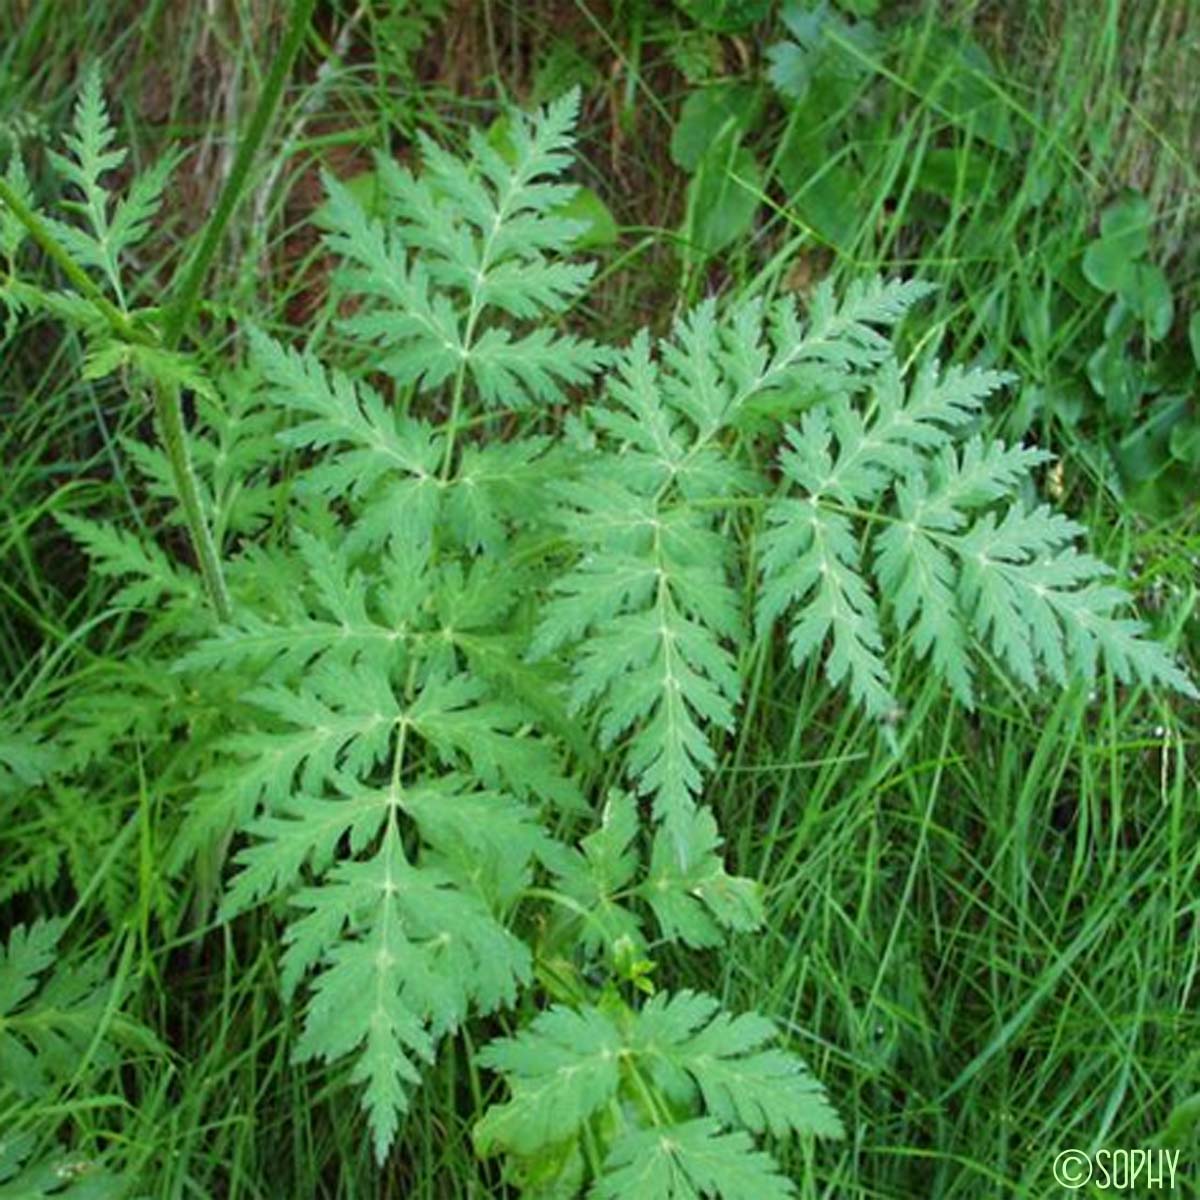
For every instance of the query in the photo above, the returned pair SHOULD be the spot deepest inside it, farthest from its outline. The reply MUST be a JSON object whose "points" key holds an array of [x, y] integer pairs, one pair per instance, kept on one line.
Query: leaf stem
{"points": [[186, 294], [654, 1108]]}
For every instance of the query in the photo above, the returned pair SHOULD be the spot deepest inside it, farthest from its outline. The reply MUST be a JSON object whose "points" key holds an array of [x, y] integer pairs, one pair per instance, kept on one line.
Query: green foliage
{"points": [[898, 113], [378, 680], [484, 238], [107, 229], [1014, 579], [685, 888], [59, 1023], [725, 16], [95, 245], [637, 1080], [1144, 392], [442, 607]]}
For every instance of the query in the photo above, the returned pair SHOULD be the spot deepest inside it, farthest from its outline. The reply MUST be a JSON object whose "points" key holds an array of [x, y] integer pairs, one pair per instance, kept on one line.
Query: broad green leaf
{"points": [[957, 78], [1148, 295], [709, 113], [1108, 266], [723, 198], [1118, 378], [1125, 225]]}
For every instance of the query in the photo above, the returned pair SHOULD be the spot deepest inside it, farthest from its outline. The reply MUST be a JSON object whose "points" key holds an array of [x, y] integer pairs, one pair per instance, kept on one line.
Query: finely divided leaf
{"points": [[679, 1073], [742, 1080], [30, 951], [402, 955], [562, 1069], [596, 875], [116, 553], [811, 562], [465, 255], [689, 1161], [388, 461], [699, 899], [1014, 580], [93, 157]]}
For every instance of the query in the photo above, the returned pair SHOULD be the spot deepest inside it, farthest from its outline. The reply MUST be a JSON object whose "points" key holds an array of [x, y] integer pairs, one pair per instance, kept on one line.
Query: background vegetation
{"points": [[987, 948]]}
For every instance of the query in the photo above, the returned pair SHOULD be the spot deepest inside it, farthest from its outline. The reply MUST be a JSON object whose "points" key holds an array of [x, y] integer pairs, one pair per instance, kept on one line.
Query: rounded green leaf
{"points": [[950, 173], [587, 206], [1107, 265], [1120, 322], [1185, 441], [1117, 378], [1144, 453], [706, 113], [722, 198], [1126, 224], [827, 204], [1148, 294]]}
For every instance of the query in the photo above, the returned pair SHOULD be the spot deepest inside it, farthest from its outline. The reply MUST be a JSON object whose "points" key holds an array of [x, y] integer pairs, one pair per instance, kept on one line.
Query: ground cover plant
{"points": [[428, 740]]}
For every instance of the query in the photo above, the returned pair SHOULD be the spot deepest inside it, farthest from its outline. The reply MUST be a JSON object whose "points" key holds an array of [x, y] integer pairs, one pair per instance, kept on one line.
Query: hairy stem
{"points": [[169, 414]]}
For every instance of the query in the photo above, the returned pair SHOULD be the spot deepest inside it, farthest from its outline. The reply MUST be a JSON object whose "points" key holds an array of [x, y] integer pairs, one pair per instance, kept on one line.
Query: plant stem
{"points": [[169, 413], [187, 291], [166, 402], [186, 295]]}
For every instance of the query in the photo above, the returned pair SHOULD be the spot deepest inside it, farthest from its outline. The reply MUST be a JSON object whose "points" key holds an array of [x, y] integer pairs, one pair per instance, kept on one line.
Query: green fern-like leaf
{"points": [[685, 1041], [1015, 580], [388, 459], [115, 553], [25, 760], [467, 251], [652, 603], [107, 230], [402, 955], [693, 1159], [655, 1068], [564, 1068], [437, 615], [13, 235], [60, 1022], [401, 948], [61, 1177], [49, 1013], [696, 902]]}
